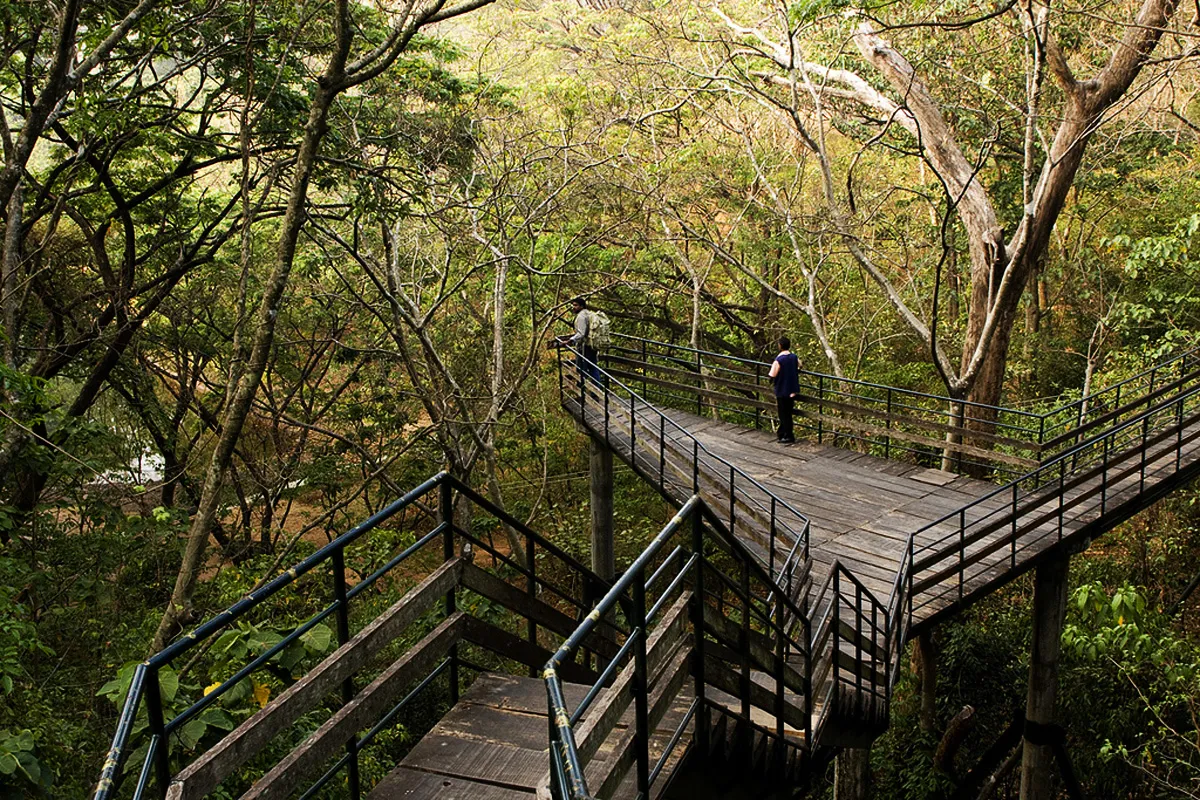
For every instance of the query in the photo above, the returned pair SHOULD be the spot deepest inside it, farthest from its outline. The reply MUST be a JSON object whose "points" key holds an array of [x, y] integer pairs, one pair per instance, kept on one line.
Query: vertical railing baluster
{"points": [[633, 429], [699, 387], [859, 660], [641, 711], [771, 548], [820, 408], [446, 507], [744, 643], [757, 396], [343, 634], [887, 439], [1178, 432], [780, 663], [531, 591], [1145, 436], [732, 496], [962, 548], [645, 367], [1062, 487], [1104, 476], [702, 711], [835, 635], [662, 452], [1013, 559], [154, 714], [607, 415]]}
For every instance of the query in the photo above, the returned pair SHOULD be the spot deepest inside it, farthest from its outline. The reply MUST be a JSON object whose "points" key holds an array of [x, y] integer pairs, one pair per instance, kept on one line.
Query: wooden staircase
{"points": [[714, 662]]}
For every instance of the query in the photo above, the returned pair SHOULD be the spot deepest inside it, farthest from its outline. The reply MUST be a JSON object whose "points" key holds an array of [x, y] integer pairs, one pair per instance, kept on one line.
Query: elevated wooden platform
{"points": [[971, 536]]}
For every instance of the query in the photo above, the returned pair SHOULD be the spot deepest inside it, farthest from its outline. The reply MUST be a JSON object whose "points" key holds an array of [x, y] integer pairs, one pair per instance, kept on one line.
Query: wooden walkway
{"points": [[492, 745], [970, 536]]}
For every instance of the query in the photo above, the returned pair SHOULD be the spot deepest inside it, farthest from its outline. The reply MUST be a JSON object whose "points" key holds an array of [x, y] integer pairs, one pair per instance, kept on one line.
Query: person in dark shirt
{"points": [[785, 381]]}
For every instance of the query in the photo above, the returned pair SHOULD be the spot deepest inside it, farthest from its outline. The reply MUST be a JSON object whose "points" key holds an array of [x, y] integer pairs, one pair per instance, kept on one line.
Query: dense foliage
{"points": [[652, 155]]}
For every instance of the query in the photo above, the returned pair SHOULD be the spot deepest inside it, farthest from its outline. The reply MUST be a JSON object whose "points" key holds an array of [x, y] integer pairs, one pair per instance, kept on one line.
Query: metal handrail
{"points": [[144, 685], [568, 779], [1114, 444], [798, 550], [1041, 432]]}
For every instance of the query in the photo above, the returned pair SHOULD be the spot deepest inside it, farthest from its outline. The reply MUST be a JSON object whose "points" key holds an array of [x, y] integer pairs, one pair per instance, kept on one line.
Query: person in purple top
{"points": [[785, 381]]}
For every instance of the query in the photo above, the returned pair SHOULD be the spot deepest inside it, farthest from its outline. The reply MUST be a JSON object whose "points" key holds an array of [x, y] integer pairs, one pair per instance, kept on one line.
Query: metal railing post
{"points": [[446, 506], [1178, 433], [645, 359], [962, 549], [780, 664], [343, 634], [1062, 483], [702, 710], [732, 499], [887, 439], [835, 635], [820, 408], [1013, 559], [1104, 477], [632, 428], [641, 690], [744, 641], [757, 396], [154, 713], [531, 591], [771, 543], [1145, 435], [662, 452]]}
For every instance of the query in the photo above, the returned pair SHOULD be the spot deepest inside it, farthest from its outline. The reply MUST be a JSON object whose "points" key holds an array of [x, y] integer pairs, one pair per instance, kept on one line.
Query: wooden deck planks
{"points": [[862, 509], [492, 745]]}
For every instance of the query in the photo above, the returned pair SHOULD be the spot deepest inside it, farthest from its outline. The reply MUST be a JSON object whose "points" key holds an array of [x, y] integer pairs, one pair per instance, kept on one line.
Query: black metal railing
{"points": [[963, 550], [1093, 462], [931, 429], [732, 603], [676, 463], [546, 572]]}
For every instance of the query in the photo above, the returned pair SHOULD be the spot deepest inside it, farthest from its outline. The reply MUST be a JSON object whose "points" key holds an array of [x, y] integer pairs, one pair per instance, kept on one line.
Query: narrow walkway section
{"points": [[968, 536], [492, 745], [861, 508]]}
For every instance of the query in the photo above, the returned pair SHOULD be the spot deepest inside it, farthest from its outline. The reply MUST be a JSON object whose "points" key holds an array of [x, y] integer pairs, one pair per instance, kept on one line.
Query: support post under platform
{"points": [[1049, 612], [601, 481]]}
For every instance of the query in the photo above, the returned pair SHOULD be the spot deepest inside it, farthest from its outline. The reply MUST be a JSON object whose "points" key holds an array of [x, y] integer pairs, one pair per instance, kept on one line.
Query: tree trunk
{"points": [[241, 395]]}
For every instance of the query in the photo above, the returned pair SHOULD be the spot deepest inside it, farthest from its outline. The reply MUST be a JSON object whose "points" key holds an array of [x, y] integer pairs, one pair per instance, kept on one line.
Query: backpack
{"points": [[599, 330]]}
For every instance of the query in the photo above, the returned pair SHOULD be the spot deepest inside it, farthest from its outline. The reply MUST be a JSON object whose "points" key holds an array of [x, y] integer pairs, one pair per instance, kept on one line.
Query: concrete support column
{"points": [[1049, 611], [852, 774], [601, 480]]}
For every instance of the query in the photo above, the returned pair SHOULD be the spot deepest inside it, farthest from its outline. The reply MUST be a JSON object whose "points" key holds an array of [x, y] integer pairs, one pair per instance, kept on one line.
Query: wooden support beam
{"points": [[601, 480], [1049, 611]]}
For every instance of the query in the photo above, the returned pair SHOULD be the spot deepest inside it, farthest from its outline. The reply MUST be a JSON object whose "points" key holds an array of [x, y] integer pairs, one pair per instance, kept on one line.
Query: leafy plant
{"points": [[19, 767]]}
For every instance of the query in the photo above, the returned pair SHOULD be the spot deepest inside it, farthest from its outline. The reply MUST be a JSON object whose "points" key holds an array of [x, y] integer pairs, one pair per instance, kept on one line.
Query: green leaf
{"points": [[191, 733], [168, 682], [318, 639]]}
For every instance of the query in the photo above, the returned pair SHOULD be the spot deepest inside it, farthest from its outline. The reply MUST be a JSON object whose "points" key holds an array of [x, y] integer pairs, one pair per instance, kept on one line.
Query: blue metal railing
{"points": [[156, 771]]}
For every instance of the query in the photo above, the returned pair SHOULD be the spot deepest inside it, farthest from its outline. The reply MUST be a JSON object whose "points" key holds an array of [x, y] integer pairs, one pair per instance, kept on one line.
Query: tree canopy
{"points": [[263, 265]]}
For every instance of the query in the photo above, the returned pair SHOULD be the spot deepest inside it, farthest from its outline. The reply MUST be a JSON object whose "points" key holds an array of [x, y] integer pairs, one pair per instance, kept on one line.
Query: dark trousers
{"points": [[786, 406], [586, 361]]}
